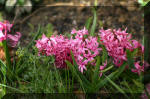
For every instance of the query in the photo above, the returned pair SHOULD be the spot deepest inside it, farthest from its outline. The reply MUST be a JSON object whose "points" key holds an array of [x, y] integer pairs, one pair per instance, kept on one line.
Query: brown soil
{"points": [[65, 18]]}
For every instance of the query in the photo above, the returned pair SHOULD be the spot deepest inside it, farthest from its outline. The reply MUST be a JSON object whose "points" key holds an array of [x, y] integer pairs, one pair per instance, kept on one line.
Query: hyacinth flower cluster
{"points": [[117, 42], [5, 27], [57, 46], [83, 48]]}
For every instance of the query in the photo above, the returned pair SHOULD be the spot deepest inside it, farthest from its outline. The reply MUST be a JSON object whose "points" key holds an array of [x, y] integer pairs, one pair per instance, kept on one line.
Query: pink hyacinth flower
{"points": [[102, 67], [138, 69], [73, 31], [4, 27], [2, 36], [82, 66], [136, 44], [13, 39], [117, 42], [83, 49]]}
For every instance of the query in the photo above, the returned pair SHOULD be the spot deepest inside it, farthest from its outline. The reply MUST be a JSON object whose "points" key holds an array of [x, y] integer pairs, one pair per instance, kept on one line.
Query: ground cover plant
{"points": [[82, 61]]}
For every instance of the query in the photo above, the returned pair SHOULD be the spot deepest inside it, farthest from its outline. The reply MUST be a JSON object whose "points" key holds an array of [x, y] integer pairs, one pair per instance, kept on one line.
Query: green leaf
{"points": [[3, 85], [125, 83], [105, 54], [61, 88], [81, 78], [6, 50], [107, 69], [77, 70], [1, 16], [94, 23], [74, 72], [130, 59], [49, 30], [88, 23], [138, 84], [115, 85], [35, 37], [3, 68], [112, 76], [96, 71]]}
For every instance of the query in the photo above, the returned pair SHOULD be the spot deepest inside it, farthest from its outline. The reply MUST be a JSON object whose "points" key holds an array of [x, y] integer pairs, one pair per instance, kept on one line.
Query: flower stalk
{"points": [[7, 55]]}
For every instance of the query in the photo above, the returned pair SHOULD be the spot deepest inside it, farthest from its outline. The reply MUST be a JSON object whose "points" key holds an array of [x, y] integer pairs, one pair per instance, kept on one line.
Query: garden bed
{"points": [[75, 49]]}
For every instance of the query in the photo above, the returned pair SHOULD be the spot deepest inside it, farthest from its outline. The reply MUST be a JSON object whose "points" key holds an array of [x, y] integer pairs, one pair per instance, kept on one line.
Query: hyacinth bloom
{"points": [[139, 68], [116, 43], [41, 44], [57, 46], [102, 67], [2, 36], [13, 39], [4, 29], [61, 50], [136, 44], [84, 49]]}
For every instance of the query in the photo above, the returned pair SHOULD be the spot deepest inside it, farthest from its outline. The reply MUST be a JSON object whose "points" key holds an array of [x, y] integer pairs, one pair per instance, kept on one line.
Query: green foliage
{"points": [[3, 78], [48, 30], [94, 22], [93, 85], [143, 2], [37, 73], [1, 16], [130, 59], [6, 50], [39, 32], [88, 23]]}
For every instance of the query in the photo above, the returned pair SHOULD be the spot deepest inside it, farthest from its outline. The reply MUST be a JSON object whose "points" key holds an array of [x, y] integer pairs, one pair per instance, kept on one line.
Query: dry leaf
{"points": [[2, 54]]}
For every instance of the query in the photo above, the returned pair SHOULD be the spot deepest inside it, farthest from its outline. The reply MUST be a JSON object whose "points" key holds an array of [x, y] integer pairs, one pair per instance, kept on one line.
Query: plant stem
{"points": [[8, 61], [6, 50]]}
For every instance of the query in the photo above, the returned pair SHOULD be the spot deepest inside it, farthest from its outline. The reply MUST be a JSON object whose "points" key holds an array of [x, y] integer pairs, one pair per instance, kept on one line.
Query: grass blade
{"points": [[96, 72], [94, 23], [112, 76], [3, 85], [35, 37], [88, 23], [116, 86]]}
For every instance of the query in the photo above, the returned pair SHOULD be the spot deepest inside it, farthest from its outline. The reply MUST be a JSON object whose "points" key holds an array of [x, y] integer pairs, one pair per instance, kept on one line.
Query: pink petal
{"points": [[13, 39]]}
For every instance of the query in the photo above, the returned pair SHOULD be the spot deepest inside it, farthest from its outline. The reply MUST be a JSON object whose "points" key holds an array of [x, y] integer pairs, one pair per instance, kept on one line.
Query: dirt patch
{"points": [[65, 18]]}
